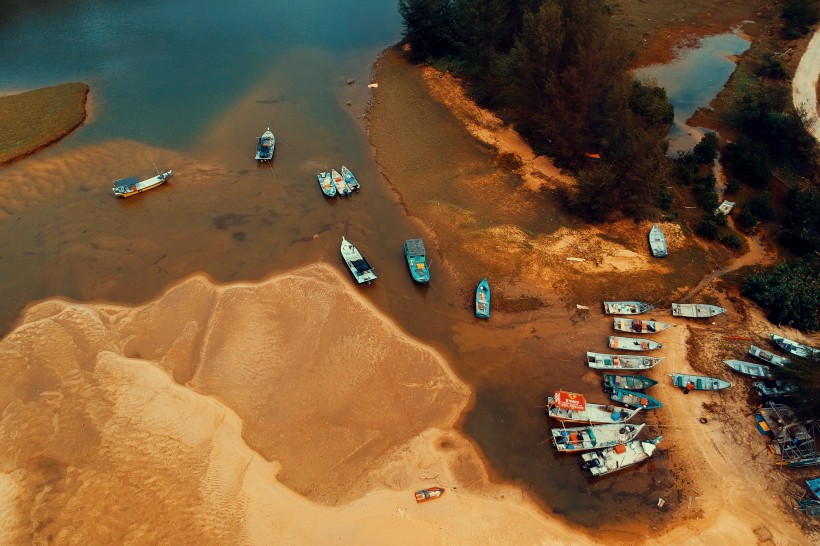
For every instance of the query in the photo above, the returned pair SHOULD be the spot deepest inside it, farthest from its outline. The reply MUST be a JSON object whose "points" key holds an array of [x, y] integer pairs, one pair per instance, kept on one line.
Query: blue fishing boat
{"points": [[793, 347], [657, 242], [326, 183], [417, 260], [264, 149], [699, 382], [349, 179], [635, 399], [482, 299], [341, 186], [627, 382], [768, 356]]}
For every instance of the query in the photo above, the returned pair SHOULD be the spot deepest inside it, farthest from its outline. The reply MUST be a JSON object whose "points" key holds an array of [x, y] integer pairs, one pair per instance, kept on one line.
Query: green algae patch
{"points": [[32, 120]]}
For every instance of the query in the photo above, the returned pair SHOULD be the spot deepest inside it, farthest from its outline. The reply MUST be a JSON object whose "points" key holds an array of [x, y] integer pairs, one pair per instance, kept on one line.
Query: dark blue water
{"points": [[693, 80], [163, 70]]}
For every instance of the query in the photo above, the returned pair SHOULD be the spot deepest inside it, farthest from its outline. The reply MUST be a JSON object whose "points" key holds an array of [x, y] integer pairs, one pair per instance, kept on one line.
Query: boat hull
{"points": [[578, 439], [657, 242], [599, 414], [431, 493], [628, 382], [326, 184], [749, 368], [793, 347], [129, 187], [768, 357], [482, 299], [699, 382], [416, 258], [626, 307], [606, 461], [265, 147], [350, 180], [635, 399], [361, 270], [635, 326], [342, 188], [633, 344], [696, 310], [602, 361]]}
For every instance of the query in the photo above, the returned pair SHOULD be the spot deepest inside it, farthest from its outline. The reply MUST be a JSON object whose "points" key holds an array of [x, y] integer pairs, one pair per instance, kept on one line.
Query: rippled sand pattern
{"points": [[99, 443]]}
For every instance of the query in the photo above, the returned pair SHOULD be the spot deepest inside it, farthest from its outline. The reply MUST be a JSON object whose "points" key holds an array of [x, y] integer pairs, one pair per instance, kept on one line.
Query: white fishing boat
{"points": [[126, 187], [341, 186], [626, 307], [748, 368], [594, 436], [767, 356], [573, 408], [657, 242], [612, 459], [362, 271], [602, 361], [639, 326], [793, 347], [696, 310], [633, 343]]}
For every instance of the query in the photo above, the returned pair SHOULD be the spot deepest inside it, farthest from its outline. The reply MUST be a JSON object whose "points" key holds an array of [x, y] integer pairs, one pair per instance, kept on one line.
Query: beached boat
{"points": [[594, 436], [430, 493], [572, 407], [633, 343], [639, 326], [126, 187], [793, 347], [350, 180], [699, 382], [767, 356], [748, 368], [773, 388], [612, 459], [635, 399], [602, 361], [417, 260], [482, 299], [626, 307], [629, 382], [657, 242], [341, 186], [362, 271], [265, 147], [696, 310], [326, 183]]}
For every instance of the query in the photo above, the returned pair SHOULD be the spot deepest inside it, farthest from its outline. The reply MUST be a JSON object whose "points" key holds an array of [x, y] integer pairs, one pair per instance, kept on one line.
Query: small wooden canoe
{"points": [[626, 307], [628, 382], [633, 343], [657, 242], [424, 495], [482, 299], [699, 382], [633, 399], [696, 310], [748, 368], [638, 326], [767, 356], [603, 361]]}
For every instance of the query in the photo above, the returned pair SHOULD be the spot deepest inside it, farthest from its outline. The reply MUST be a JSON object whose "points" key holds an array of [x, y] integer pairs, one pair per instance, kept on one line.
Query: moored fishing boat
{"points": [[635, 399], [657, 242], [793, 347], [482, 299], [326, 183], [430, 493], [696, 310], [350, 180], [626, 307], [341, 186], [748, 368], [594, 436], [602, 361], [362, 271], [633, 343], [265, 146], [612, 459], [699, 382], [126, 187], [573, 408], [629, 382], [639, 326], [417, 260], [767, 356]]}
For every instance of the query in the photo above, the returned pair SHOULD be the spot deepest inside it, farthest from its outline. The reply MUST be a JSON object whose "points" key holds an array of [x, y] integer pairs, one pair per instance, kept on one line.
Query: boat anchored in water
{"points": [[417, 260], [633, 343], [265, 146], [326, 183], [126, 187], [612, 459], [657, 242], [482, 299], [626, 307], [341, 186], [362, 271], [350, 180], [594, 436], [602, 361]]}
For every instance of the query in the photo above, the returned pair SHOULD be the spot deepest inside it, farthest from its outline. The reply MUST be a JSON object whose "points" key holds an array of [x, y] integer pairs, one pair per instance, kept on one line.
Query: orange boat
{"points": [[429, 494]]}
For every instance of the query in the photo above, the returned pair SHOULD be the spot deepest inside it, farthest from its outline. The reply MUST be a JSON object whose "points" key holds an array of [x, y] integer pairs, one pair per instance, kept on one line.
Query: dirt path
{"points": [[804, 90]]}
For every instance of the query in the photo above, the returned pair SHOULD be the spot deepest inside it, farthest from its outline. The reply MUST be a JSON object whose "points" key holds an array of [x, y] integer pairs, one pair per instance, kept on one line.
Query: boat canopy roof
{"points": [[570, 400], [415, 247], [361, 265], [130, 181]]}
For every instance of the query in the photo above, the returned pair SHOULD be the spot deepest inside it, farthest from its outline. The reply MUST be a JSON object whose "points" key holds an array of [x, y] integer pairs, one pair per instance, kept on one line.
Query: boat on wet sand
{"points": [[626, 307], [430, 493], [605, 461], [482, 299], [635, 399], [594, 436], [793, 347], [326, 183], [699, 382], [341, 186], [416, 258], [639, 326], [748, 368], [633, 343], [350, 180], [628, 382], [696, 310], [602, 361], [657, 242], [126, 187], [573, 407], [265, 146], [362, 271], [767, 356]]}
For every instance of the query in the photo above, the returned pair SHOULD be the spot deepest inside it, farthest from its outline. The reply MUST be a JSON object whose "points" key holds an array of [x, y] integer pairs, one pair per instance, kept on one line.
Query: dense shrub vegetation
{"points": [[790, 291]]}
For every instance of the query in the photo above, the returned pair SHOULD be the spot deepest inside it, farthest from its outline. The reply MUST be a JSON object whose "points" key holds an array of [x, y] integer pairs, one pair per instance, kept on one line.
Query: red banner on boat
{"points": [[570, 401]]}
